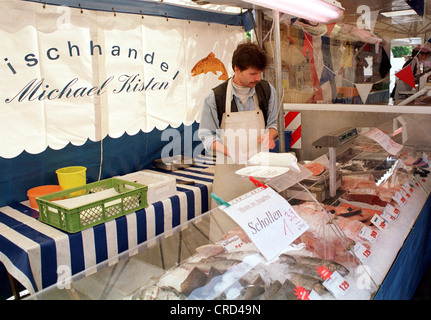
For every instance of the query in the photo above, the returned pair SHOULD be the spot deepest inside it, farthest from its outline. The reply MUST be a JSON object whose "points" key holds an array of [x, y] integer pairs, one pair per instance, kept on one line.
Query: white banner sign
{"points": [[69, 75]]}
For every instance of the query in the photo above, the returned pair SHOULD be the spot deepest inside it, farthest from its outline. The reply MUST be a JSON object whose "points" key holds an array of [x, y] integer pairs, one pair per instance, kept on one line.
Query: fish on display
{"points": [[286, 291], [183, 279], [210, 250], [213, 273], [318, 262], [222, 265], [157, 293], [308, 282], [352, 212], [251, 292]]}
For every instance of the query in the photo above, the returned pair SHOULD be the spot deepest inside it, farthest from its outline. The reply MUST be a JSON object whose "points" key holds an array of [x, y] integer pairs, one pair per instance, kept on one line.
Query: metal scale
{"points": [[332, 141]]}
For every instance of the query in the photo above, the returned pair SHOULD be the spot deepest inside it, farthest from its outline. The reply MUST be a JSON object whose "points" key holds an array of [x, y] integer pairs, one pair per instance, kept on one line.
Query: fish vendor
{"points": [[239, 119]]}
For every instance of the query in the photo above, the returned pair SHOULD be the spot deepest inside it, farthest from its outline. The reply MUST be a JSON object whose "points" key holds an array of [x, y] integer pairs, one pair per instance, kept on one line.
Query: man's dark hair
{"points": [[248, 55]]}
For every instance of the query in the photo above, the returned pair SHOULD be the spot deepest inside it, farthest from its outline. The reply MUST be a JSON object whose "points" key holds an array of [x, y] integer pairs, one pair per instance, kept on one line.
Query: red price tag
{"points": [[324, 272], [301, 293]]}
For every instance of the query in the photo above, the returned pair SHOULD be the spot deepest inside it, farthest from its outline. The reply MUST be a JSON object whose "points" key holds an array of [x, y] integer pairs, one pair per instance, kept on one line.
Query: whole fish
{"points": [[309, 283], [222, 265], [232, 255], [271, 290], [306, 269], [286, 258], [318, 262]]}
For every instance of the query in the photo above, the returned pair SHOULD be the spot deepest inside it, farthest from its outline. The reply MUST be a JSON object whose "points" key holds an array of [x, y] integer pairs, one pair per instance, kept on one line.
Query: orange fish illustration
{"points": [[210, 64]]}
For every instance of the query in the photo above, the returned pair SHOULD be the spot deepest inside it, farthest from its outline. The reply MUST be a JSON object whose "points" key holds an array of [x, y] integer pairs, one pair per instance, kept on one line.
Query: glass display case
{"points": [[345, 243]]}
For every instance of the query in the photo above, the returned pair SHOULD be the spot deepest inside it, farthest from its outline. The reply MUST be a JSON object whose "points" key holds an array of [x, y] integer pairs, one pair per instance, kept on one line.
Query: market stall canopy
{"points": [[178, 9]]}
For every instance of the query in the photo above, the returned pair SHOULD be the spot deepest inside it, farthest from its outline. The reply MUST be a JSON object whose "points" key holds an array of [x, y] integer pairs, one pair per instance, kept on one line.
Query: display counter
{"points": [[348, 246]]}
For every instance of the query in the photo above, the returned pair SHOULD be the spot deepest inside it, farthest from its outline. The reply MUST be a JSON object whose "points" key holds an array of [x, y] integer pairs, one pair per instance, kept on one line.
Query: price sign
{"points": [[412, 181], [390, 209], [361, 252], [368, 234], [404, 193], [399, 198], [336, 285], [387, 216], [408, 188], [324, 272], [379, 222], [268, 219], [233, 243], [301, 293]]}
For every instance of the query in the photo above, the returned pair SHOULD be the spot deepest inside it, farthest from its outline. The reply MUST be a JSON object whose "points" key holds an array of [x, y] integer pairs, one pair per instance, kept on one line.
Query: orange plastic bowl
{"points": [[35, 192]]}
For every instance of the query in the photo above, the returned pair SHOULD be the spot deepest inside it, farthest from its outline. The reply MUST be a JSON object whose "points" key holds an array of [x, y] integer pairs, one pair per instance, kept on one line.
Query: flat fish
{"points": [[157, 293], [272, 290], [251, 292], [183, 279], [195, 279], [286, 292]]}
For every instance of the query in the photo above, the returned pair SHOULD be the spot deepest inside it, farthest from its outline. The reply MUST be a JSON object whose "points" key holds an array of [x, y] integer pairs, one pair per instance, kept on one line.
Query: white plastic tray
{"points": [[160, 187], [263, 172]]}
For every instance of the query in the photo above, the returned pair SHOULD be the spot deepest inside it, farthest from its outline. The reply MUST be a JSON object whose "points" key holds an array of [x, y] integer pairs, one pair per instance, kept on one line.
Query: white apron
{"points": [[238, 130]]}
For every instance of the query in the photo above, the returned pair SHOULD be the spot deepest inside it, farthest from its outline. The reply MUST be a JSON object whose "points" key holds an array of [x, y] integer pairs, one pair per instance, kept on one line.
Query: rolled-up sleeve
{"points": [[209, 124], [271, 121]]}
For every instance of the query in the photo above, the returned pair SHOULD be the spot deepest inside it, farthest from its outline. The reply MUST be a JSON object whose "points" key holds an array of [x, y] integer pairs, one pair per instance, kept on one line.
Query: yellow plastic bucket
{"points": [[71, 177]]}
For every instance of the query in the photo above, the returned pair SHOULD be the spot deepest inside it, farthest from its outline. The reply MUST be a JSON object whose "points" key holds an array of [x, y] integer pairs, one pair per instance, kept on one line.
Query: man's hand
{"points": [[268, 139]]}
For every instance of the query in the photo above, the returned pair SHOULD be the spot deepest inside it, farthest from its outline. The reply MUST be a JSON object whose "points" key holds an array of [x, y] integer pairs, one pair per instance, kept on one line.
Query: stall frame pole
{"points": [[278, 82]]}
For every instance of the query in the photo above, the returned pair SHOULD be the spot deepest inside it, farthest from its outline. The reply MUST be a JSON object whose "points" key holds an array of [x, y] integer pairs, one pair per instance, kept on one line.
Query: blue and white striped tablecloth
{"points": [[33, 252]]}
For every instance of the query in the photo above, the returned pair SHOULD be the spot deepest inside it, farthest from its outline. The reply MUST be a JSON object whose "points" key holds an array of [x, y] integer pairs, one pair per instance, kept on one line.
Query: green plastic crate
{"points": [[130, 198]]}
